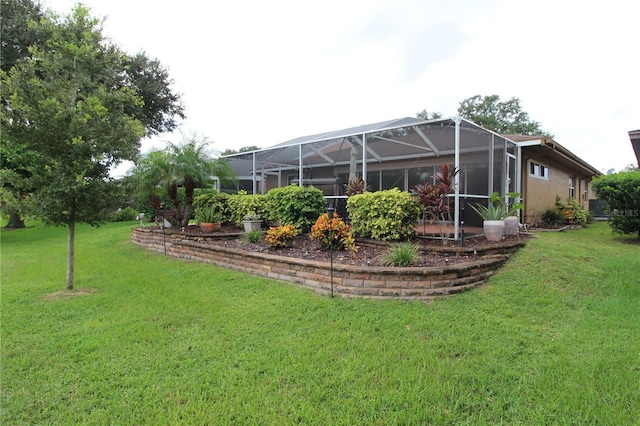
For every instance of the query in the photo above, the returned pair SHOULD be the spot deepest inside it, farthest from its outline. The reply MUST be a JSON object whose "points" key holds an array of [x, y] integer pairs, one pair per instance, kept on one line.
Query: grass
{"points": [[553, 338]]}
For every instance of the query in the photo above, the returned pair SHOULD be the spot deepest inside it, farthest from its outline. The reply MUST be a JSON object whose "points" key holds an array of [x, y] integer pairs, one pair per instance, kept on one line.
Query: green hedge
{"points": [[388, 215], [124, 215], [295, 205], [621, 191], [242, 204]]}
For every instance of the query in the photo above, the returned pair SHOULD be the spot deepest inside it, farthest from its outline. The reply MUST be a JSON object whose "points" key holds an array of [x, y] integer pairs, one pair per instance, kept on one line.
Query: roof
{"points": [[351, 131], [634, 135], [397, 139], [405, 138], [548, 148]]}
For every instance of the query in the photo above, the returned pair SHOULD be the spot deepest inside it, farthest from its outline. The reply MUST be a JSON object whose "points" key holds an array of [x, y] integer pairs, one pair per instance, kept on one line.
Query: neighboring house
{"points": [[408, 151], [634, 135], [550, 170]]}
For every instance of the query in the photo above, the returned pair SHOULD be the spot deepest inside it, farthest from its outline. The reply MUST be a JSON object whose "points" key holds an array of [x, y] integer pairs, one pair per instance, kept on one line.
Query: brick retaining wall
{"points": [[418, 283]]}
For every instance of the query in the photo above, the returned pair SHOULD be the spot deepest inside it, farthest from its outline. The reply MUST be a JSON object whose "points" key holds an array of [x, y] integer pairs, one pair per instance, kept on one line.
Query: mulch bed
{"points": [[369, 253]]}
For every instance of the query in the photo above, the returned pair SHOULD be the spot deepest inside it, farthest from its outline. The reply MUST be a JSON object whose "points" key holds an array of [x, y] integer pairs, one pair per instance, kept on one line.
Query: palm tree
{"points": [[188, 164]]}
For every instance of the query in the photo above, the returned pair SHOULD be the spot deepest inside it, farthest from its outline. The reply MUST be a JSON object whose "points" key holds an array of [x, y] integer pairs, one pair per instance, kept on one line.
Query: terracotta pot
{"points": [[511, 225], [208, 228], [493, 230]]}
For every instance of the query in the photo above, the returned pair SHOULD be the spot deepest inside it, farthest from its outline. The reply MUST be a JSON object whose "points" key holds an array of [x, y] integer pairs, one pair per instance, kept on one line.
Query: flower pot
{"points": [[511, 225], [208, 227], [252, 225], [493, 230]]}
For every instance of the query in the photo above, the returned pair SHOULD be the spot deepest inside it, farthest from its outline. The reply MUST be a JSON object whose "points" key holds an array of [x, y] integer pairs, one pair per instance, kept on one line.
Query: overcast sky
{"points": [[263, 72]]}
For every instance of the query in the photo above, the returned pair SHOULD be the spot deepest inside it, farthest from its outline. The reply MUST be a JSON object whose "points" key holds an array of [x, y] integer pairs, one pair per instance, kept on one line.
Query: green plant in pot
{"points": [[252, 222], [209, 218], [210, 208], [511, 219], [493, 217]]}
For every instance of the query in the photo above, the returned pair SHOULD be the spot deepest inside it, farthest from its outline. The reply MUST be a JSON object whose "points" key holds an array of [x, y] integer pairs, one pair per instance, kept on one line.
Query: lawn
{"points": [[553, 338]]}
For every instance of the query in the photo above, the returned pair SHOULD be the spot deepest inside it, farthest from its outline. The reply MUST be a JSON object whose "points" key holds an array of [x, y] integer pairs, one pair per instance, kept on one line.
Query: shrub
{"points": [[383, 215], [333, 232], [551, 216], [295, 205], [572, 211], [279, 236], [621, 191], [125, 215], [241, 204], [402, 254]]}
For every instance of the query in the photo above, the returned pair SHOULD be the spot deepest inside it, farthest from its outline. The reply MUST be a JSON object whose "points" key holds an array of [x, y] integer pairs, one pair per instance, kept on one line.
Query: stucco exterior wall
{"points": [[540, 194]]}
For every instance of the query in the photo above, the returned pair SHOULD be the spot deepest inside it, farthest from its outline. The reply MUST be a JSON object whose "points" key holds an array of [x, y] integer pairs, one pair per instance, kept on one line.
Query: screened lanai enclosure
{"points": [[397, 153]]}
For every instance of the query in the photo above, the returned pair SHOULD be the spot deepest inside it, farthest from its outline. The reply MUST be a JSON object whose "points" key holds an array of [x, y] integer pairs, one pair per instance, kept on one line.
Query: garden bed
{"points": [[369, 252]]}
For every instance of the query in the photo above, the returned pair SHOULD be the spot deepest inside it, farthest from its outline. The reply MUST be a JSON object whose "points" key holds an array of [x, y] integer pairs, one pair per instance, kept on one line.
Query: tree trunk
{"points": [[70, 254], [176, 218], [15, 221], [187, 204]]}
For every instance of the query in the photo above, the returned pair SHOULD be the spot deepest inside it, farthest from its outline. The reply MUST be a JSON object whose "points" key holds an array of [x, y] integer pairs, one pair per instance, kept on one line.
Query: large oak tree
{"points": [[504, 117]]}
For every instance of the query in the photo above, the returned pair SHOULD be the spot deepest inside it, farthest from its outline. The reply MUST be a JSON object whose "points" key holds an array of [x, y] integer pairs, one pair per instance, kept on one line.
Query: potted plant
{"points": [[252, 222], [493, 217], [511, 220], [209, 218]]}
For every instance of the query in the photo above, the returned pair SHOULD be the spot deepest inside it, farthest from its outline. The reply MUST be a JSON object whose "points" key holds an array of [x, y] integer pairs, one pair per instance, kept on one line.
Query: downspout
{"points": [[519, 177], [300, 165], [255, 183], [491, 164], [456, 165], [364, 160], [519, 171]]}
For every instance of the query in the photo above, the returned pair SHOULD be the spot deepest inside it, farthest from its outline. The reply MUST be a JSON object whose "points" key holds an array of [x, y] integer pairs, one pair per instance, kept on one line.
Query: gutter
{"points": [[563, 152]]}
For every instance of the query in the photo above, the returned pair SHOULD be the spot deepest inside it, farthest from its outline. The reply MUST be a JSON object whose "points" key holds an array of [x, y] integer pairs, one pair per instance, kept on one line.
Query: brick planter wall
{"points": [[348, 281]]}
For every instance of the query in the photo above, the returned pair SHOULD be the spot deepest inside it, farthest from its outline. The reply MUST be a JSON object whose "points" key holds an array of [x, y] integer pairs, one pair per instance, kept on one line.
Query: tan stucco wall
{"points": [[540, 194]]}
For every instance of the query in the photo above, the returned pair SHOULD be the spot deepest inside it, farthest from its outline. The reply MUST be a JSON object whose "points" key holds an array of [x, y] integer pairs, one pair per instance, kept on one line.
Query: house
{"points": [[634, 135], [408, 151], [549, 170]]}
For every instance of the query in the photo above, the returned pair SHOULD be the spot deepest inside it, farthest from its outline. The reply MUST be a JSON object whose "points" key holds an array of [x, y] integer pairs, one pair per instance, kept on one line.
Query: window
{"points": [[538, 171], [373, 181], [393, 179], [572, 188], [419, 175]]}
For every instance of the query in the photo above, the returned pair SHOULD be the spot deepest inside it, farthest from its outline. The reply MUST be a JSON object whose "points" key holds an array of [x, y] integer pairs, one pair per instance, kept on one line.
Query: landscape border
{"points": [[406, 283]]}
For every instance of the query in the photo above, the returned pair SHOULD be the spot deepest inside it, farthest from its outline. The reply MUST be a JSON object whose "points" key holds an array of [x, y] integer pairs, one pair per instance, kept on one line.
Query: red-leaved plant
{"points": [[435, 199]]}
